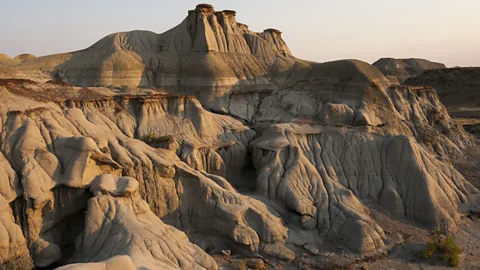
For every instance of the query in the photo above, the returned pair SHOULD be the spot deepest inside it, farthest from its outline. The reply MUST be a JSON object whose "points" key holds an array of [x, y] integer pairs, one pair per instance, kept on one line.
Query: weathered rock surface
{"points": [[89, 173], [320, 173], [59, 150], [194, 58], [204, 140], [119, 222], [403, 69], [457, 87], [428, 120], [117, 262]]}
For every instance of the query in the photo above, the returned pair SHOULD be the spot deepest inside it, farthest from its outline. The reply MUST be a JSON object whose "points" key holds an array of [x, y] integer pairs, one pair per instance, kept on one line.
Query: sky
{"points": [[444, 31]]}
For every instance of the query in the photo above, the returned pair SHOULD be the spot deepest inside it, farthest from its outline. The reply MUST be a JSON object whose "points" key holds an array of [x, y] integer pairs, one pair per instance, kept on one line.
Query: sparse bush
{"points": [[149, 138], [104, 149], [165, 138], [152, 138], [445, 245]]}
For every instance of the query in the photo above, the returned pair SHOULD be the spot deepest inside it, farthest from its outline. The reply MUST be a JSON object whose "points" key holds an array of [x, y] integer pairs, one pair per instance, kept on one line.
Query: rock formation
{"points": [[320, 173], [456, 87], [60, 148], [119, 222], [209, 55], [403, 69], [244, 147], [117, 262]]}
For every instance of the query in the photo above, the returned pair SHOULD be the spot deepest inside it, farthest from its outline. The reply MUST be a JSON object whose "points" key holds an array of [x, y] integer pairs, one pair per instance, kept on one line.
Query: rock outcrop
{"points": [[117, 262], [94, 165], [208, 54], [119, 222], [457, 87], [428, 120], [59, 150], [326, 174], [403, 69]]}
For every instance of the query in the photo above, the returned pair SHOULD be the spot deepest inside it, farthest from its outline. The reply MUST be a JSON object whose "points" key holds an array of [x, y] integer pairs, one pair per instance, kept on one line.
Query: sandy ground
{"points": [[407, 241]]}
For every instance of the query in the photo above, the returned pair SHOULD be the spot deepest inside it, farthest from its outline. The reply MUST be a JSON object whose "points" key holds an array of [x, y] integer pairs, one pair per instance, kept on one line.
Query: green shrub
{"points": [[148, 138], [152, 138], [445, 245]]}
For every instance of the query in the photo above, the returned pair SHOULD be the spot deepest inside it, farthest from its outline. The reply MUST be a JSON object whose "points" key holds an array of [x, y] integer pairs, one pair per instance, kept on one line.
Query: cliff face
{"points": [[206, 141]]}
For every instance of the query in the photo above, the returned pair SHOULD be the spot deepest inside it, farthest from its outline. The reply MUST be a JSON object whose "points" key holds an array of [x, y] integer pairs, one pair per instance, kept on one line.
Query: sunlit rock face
{"points": [[76, 161], [244, 144]]}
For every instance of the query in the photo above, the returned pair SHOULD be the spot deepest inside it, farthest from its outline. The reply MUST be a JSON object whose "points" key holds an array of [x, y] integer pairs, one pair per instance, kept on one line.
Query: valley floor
{"points": [[403, 255]]}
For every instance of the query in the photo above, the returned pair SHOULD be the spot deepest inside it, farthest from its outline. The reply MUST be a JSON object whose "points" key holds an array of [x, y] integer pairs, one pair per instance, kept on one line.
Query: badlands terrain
{"points": [[211, 146]]}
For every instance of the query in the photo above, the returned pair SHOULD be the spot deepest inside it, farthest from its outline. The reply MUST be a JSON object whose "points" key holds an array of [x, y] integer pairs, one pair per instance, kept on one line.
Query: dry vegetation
{"points": [[445, 246]]}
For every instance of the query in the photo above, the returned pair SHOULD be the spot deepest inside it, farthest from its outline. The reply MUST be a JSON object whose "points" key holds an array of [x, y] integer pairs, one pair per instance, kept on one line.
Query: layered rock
{"points": [[209, 54], [58, 150], [428, 119], [119, 222], [90, 171], [326, 174], [347, 83], [403, 69], [206, 141]]}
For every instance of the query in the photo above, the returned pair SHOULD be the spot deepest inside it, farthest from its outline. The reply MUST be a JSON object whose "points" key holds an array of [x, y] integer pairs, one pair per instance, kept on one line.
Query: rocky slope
{"points": [[457, 87], [246, 149], [399, 70], [59, 149]]}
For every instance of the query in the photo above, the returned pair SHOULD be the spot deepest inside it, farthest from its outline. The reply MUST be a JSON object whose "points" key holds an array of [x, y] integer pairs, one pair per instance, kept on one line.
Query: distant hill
{"points": [[457, 87], [403, 69]]}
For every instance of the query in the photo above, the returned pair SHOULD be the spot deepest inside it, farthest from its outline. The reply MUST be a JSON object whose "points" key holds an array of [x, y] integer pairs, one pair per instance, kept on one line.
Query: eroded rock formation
{"points": [[119, 222], [124, 170], [457, 87], [320, 173], [59, 150]]}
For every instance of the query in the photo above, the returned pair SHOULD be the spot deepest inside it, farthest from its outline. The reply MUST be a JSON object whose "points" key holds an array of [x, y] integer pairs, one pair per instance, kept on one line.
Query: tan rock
{"points": [[117, 262], [403, 69], [96, 168]]}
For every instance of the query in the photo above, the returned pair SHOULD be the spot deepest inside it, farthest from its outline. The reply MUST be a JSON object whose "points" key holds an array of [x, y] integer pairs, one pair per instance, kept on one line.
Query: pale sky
{"points": [[446, 31]]}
